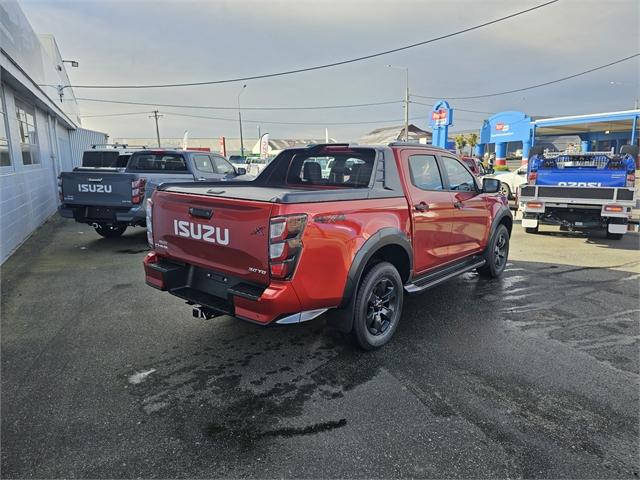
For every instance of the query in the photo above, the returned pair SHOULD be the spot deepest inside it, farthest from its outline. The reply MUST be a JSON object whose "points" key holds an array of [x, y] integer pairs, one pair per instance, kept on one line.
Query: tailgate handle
{"points": [[201, 212]]}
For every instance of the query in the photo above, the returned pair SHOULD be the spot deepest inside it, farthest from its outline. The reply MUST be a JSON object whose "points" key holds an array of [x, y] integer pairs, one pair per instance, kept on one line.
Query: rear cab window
{"points": [[342, 168], [161, 162]]}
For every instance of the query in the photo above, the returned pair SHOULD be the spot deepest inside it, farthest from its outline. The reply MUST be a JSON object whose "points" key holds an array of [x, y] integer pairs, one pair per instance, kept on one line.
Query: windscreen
{"points": [[169, 162], [348, 168]]}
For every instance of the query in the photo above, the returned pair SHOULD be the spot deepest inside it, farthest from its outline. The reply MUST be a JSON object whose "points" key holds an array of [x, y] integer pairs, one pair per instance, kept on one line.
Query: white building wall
{"points": [[28, 193], [29, 65]]}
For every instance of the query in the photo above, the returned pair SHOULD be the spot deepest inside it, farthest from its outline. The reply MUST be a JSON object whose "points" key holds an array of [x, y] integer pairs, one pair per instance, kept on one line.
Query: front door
{"points": [[432, 210], [472, 218]]}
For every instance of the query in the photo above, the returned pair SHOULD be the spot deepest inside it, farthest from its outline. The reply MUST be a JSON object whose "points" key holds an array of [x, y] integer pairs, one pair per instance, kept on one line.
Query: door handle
{"points": [[458, 205], [200, 179], [421, 207]]}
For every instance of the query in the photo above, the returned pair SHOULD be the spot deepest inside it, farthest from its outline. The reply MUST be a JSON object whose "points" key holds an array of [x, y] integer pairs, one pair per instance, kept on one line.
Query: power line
{"points": [[422, 117], [531, 87], [456, 108], [115, 114], [288, 123], [170, 105], [327, 65]]}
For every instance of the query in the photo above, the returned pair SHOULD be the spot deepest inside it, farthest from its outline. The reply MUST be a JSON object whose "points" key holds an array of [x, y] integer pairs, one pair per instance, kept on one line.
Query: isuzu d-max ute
{"points": [[112, 198], [298, 240], [580, 191]]}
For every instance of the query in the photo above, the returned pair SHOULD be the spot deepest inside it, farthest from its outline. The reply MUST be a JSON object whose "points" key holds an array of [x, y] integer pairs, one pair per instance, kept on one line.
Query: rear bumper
{"points": [[97, 214], [224, 294]]}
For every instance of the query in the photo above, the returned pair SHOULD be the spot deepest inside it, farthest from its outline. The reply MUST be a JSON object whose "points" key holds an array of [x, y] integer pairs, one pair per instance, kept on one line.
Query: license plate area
{"points": [[105, 213], [211, 282]]}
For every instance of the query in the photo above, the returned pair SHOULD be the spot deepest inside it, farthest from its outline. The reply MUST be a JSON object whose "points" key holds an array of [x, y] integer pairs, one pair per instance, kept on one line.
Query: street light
{"points": [[406, 102], [240, 121]]}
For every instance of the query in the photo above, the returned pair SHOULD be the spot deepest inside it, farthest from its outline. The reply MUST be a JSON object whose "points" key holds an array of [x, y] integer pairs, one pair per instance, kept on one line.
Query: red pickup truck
{"points": [[304, 238]]}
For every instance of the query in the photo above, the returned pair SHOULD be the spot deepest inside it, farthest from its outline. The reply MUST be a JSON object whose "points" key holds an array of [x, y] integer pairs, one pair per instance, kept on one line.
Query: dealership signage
{"points": [[511, 126], [441, 119]]}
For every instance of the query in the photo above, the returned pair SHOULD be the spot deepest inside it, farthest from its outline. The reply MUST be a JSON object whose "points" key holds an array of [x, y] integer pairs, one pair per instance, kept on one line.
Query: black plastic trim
{"points": [[383, 237], [443, 274], [504, 212]]}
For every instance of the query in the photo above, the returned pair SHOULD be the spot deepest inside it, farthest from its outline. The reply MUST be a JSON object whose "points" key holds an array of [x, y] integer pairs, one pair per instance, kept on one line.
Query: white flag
{"points": [[264, 146]]}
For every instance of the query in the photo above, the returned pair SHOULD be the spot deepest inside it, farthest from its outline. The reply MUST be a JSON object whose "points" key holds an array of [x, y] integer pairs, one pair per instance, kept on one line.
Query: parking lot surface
{"points": [[532, 375]]}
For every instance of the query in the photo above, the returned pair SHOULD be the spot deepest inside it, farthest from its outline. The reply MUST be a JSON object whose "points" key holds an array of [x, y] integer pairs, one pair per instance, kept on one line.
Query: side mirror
{"points": [[241, 171], [490, 185]]}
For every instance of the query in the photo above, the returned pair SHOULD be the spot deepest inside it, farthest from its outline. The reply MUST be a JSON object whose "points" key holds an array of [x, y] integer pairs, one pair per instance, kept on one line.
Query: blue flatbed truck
{"points": [[580, 190]]}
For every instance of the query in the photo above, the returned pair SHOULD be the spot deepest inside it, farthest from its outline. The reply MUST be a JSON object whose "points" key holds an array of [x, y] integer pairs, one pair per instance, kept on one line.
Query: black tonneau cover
{"points": [[246, 191], [384, 183]]}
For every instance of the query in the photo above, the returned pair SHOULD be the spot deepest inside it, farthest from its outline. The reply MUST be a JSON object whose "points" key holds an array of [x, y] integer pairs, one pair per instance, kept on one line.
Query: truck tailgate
{"points": [[97, 188], [221, 234], [582, 177]]}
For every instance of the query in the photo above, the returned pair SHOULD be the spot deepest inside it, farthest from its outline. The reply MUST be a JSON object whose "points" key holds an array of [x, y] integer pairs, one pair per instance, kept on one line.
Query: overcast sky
{"points": [[137, 42]]}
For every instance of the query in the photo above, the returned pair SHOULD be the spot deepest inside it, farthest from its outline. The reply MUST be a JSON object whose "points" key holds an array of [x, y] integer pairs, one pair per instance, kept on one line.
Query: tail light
{"points": [[149, 214], [137, 190], [614, 208], [285, 244], [60, 196], [534, 207], [631, 179], [532, 177]]}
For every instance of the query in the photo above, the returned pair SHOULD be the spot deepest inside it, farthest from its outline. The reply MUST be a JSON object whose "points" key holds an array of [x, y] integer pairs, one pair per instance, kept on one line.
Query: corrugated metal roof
{"points": [[385, 135]]}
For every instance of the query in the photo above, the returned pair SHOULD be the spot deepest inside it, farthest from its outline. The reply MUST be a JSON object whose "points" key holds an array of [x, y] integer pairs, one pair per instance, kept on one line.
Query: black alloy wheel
{"points": [[378, 306], [496, 254], [381, 307]]}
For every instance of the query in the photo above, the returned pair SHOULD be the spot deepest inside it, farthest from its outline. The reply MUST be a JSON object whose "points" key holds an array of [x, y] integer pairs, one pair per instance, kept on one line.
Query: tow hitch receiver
{"points": [[204, 313]]}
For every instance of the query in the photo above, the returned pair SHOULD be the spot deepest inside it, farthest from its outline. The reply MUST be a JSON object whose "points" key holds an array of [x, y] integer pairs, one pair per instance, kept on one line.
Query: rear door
{"points": [[99, 187], [432, 209], [219, 234], [472, 218]]}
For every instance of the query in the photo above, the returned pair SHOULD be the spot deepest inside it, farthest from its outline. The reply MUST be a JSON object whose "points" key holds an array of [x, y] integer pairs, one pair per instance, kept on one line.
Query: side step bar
{"points": [[432, 279]]}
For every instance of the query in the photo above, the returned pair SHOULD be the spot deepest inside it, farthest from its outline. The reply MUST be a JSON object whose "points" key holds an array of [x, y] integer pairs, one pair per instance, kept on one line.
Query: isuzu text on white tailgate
{"points": [[587, 190]]}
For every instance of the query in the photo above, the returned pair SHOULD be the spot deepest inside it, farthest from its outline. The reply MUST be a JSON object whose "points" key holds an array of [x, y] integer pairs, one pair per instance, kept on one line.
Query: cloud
{"points": [[151, 42]]}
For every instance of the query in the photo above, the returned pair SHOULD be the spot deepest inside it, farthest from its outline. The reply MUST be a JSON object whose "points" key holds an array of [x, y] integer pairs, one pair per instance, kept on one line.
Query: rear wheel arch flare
{"points": [[387, 244]]}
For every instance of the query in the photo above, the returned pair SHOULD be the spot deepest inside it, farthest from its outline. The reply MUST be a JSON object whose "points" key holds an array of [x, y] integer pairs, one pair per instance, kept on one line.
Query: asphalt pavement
{"points": [[533, 375]]}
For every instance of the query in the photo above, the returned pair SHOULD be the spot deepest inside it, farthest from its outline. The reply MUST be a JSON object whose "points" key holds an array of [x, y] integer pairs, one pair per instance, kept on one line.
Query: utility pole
{"points": [[240, 121], [406, 109], [156, 116], [406, 102]]}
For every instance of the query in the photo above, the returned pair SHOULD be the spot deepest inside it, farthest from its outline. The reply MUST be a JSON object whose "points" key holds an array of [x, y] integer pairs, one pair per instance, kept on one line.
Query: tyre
{"points": [[378, 306], [496, 253], [614, 236], [505, 190], [110, 231], [531, 229]]}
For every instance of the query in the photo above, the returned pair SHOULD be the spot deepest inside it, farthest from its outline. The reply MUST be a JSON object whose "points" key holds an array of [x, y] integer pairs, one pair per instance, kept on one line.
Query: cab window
{"points": [[460, 179], [203, 163], [425, 173], [222, 166]]}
